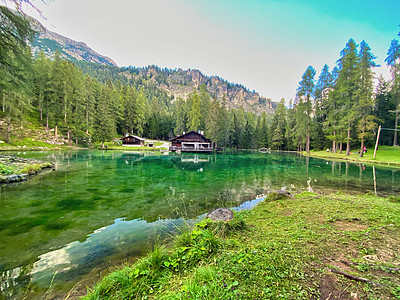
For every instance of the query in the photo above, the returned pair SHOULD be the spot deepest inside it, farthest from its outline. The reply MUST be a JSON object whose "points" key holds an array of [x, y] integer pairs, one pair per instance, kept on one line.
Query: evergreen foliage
{"points": [[87, 103]]}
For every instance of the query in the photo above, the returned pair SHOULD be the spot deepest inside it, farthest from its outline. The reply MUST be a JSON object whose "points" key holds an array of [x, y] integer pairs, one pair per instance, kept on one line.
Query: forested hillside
{"points": [[180, 83], [92, 103]]}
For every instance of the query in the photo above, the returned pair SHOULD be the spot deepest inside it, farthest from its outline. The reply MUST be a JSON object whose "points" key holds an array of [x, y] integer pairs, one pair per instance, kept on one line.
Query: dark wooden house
{"points": [[132, 140], [191, 142]]}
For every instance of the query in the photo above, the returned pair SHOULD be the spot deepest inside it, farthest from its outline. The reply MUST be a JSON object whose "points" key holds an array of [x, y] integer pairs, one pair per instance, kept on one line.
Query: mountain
{"points": [[49, 42], [175, 83], [180, 83]]}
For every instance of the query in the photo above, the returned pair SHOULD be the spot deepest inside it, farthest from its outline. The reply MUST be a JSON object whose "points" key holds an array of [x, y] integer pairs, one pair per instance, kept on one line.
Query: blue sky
{"points": [[265, 45]]}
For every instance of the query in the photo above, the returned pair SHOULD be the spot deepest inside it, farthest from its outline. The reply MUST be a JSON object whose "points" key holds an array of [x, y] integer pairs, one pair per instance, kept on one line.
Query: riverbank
{"points": [[14, 169], [388, 156], [307, 246]]}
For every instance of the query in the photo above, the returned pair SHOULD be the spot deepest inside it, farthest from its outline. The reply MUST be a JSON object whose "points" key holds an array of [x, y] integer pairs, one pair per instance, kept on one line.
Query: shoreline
{"points": [[351, 159]]}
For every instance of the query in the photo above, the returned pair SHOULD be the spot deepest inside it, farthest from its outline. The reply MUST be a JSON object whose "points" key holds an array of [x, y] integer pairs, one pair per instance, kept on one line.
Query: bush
{"points": [[31, 169], [5, 170]]}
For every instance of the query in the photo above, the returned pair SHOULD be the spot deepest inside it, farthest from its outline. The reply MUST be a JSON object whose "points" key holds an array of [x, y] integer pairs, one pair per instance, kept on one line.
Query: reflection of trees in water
{"points": [[15, 281]]}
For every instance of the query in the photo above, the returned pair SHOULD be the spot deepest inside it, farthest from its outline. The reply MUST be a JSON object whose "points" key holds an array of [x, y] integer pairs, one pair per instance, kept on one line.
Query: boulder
{"points": [[221, 214], [16, 178], [282, 192]]}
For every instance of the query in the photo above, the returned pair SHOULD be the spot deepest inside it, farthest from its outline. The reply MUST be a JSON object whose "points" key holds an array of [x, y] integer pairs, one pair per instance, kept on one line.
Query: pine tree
{"points": [[180, 113], [15, 32], [305, 93], [393, 61], [321, 96], [346, 88], [290, 132], [239, 123], [104, 126], [278, 126], [140, 113], [205, 105], [194, 118], [16, 94], [365, 102], [384, 111], [212, 121]]}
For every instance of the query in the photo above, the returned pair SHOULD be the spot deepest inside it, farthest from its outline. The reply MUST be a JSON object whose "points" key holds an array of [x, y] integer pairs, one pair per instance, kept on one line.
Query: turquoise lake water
{"points": [[61, 230]]}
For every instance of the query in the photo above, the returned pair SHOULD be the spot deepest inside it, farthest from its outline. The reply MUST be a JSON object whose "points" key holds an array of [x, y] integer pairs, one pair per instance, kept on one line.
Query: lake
{"points": [[63, 229]]}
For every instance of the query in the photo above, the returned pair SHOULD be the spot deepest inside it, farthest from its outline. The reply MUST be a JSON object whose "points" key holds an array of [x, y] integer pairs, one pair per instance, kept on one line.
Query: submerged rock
{"points": [[221, 214], [16, 178]]}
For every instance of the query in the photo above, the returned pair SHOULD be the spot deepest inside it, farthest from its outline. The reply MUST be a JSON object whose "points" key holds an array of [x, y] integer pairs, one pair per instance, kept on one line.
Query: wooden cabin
{"points": [[191, 142], [131, 140]]}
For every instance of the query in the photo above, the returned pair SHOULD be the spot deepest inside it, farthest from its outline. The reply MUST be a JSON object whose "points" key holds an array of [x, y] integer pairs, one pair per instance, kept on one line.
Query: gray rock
{"points": [[221, 214], [282, 192], [16, 178]]}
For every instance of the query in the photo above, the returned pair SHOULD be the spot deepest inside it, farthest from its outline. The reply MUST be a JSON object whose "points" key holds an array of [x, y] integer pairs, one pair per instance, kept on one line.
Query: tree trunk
{"points": [[8, 130], [102, 145], [47, 122], [40, 105], [308, 140], [340, 147], [334, 142], [4, 102], [55, 132], [362, 143], [396, 122], [87, 122], [69, 137], [348, 143]]}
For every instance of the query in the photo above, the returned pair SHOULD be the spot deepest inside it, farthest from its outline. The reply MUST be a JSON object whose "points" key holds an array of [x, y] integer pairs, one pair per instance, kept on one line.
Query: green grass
{"points": [[30, 143], [27, 144], [34, 168], [385, 155], [282, 249]]}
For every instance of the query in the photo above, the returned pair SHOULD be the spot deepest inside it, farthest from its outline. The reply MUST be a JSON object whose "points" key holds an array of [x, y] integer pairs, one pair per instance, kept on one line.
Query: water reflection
{"points": [[74, 260], [49, 226]]}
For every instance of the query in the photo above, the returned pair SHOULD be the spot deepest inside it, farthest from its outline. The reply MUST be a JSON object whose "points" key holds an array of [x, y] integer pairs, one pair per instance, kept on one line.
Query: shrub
{"points": [[5, 170]]}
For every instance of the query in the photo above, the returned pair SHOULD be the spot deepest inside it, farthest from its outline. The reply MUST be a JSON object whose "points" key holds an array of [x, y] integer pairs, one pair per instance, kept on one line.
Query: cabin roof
{"points": [[190, 132], [134, 136]]}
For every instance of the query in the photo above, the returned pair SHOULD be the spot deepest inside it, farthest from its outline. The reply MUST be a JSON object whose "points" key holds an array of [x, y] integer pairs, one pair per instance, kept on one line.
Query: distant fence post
{"points": [[377, 140]]}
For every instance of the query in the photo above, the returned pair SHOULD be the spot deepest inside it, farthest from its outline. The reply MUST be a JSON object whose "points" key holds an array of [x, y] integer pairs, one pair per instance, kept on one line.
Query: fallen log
{"points": [[353, 277]]}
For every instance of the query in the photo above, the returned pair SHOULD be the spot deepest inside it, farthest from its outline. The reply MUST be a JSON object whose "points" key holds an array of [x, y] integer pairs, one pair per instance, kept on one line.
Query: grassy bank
{"points": [[385, 155], [285, 248]]}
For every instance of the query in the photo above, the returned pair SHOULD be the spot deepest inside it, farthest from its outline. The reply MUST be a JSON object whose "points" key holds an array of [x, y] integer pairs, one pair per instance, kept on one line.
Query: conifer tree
{"points": [[305, 93], [278, 126], [365, 102], [212, 121], [194, 118], [384, 111], [393, 61], [346, 88], [180, 116], [104, 126]]}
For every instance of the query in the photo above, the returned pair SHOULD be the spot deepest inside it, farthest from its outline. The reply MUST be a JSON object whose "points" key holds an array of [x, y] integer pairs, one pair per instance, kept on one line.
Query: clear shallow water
{"points": [[101, 209]]}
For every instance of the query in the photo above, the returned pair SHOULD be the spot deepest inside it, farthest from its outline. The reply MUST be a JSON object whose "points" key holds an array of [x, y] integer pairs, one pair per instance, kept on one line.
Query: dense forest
{"points": [[83, 103]]}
